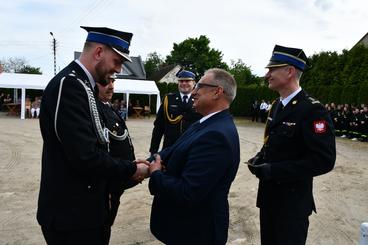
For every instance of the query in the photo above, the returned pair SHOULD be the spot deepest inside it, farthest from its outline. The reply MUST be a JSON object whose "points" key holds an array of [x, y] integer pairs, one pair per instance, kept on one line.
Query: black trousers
{"points": [[97, 236], [277, 229]]}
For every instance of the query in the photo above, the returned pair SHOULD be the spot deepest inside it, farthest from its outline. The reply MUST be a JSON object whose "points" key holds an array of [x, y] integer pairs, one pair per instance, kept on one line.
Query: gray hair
{"points": [[298, 74], [226, 81]]}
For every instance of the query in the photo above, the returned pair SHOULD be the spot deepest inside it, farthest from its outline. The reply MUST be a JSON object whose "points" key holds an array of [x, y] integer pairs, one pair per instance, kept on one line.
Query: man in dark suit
{"points": [[175, 114], [299, 144], [190, 203], [73, 205]]}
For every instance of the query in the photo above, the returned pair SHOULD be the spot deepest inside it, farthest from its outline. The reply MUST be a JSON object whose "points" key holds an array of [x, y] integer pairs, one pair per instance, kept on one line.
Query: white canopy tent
{"points": [[39, 82]]}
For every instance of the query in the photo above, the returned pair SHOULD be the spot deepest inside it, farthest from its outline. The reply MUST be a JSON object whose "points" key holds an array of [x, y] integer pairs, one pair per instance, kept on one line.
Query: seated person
{"points": [[8, 99], [35, 107]]}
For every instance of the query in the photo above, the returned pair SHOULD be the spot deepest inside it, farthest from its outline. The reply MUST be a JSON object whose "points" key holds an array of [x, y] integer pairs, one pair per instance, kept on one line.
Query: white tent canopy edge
{"points": [[39, 82]]}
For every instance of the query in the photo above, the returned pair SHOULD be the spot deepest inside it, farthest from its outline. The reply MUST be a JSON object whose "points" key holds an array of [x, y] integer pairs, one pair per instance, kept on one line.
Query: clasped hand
{"points": [[145, 169], [259, 169], [142, 170]]}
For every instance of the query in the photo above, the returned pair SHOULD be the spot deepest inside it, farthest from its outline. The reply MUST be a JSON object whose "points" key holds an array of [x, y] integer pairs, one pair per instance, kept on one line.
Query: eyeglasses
{"points": [[201, 85]]}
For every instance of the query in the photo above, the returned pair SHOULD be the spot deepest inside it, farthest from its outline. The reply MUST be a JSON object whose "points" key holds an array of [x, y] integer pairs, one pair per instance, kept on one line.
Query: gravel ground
{"points": [[341, 195]]}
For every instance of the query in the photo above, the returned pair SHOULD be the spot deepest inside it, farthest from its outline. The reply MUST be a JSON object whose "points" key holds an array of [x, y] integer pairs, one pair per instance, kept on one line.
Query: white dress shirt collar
{"points": [[182, 95], [208, 116], [286, 100], [90, 78]]}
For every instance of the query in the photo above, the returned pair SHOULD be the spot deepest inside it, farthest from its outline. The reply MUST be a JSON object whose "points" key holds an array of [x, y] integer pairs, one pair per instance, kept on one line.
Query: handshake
{"points": [[146, 168]]}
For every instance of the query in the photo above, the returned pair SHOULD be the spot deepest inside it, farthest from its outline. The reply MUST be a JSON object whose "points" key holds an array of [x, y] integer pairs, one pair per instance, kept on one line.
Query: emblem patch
{"points": [[320, 126]]}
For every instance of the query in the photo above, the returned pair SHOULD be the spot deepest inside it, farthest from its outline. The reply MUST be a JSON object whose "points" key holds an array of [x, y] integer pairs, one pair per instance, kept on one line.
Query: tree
{"points": [[153, 63], [195, 55], [19, 65], [243, 74], [30, 70]]}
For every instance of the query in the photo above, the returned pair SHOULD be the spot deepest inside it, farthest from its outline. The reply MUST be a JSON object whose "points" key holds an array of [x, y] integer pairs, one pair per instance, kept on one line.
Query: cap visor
{"points": [[275, 64], [185, 79], [124, 55]]}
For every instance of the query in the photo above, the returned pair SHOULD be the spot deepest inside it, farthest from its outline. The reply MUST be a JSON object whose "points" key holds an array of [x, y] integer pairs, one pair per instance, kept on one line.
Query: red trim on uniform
{"points": [[320, 126]]}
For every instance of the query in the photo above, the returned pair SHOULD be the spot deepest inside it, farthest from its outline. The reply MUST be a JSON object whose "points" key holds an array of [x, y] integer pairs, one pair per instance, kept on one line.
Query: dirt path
{"points": [[341, 196]]}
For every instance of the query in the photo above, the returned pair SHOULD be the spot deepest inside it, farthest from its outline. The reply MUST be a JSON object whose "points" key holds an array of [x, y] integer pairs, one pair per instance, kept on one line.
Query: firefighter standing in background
{"points": [[176, 113]]}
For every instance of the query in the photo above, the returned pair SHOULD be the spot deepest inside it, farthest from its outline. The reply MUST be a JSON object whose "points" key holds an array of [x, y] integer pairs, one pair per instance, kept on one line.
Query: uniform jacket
{"points": [[190, 203], [172, 130], [75, 169], [113, 121], [299, 144]]}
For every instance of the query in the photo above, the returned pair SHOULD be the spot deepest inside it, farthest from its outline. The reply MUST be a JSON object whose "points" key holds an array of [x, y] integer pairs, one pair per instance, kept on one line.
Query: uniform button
{"points": [[89, 187]]}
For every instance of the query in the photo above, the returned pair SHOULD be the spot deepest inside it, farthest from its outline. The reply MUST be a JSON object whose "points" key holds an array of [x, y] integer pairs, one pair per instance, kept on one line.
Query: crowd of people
{"points": [[259, 110], [4, 99], [349, 121]]}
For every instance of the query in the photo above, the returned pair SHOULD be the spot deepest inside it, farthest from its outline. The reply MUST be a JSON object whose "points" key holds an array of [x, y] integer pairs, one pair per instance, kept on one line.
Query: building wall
{"points": [[170, 77]]}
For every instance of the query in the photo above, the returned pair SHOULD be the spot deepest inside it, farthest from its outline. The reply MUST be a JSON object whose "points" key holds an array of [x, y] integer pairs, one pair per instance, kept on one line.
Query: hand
{"points": [[262, 171], [156, 164], [144, 161], [256, 160], [141, 173]]}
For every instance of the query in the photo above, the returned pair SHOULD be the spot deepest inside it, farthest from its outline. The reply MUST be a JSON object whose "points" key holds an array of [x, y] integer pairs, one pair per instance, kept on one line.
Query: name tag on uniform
{"points": [[173, 105], [289, 124]]}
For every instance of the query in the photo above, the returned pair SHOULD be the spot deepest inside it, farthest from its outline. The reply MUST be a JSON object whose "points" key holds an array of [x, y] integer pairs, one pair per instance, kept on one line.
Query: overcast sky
{"points": [[241, 29]]}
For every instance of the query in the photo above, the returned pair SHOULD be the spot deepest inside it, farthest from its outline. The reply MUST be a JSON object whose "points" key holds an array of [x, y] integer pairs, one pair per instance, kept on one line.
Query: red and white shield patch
{"points": [[320, 126]]}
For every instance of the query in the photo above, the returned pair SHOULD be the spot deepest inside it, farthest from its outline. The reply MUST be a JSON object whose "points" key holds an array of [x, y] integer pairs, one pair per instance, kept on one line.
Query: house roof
{"points": [[130, 70], [363, 40], [158, 75]]}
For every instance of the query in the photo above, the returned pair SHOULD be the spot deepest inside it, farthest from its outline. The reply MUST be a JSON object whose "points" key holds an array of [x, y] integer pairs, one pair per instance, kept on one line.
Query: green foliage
{"points": [[333, 77], [356, 66], [335, 94], [242, 73], [195, 55], [30, 70], [349, 94], [363, 94], [153, 63]]}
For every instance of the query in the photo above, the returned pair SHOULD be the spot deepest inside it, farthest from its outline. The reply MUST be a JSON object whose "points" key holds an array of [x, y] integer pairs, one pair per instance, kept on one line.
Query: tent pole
{"points": [[23, 105], [127, 105]]}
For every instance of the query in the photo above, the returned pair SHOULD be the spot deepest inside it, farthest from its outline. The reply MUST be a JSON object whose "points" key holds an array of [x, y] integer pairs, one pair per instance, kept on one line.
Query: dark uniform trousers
{"points": [[299, 145], [96, 236], [172, 119], [276, 229]]}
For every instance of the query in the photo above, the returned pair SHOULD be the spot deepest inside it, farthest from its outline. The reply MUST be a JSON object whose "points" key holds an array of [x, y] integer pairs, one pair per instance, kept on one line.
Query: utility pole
{"points": [[54, 49]]}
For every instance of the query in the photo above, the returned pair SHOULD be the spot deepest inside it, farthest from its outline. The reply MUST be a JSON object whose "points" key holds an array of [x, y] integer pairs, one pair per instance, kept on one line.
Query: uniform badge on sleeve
{"points": [[320, 126]]}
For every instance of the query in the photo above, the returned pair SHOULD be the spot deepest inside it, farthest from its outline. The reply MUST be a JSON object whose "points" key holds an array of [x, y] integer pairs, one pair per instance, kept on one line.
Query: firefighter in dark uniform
{"points": [[364, 124], [354, 123], [73, 204], [119, 142], [299, 144], [175, 114]]}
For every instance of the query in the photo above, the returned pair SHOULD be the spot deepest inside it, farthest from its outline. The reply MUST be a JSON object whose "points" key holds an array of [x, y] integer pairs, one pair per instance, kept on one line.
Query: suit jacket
{"points": [[172, 131], [190, 203], [299, 144], [75, 170]]}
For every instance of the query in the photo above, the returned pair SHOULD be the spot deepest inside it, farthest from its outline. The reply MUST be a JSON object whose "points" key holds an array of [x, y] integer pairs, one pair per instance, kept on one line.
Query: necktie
{"points": [[185, 97], [278, 109]]}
